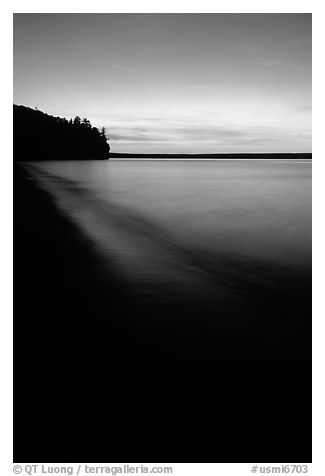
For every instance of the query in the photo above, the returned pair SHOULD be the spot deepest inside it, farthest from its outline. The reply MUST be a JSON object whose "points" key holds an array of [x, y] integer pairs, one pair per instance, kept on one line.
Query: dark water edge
{"points": [[102, 376]]}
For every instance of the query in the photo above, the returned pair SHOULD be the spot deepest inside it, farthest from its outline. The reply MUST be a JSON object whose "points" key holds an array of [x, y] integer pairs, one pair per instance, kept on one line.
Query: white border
{"points": [[161, 6], [170, 6]]}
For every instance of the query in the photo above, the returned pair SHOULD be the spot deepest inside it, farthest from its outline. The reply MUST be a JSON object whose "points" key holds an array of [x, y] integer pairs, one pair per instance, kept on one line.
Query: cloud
{"points": [[207, 133]]}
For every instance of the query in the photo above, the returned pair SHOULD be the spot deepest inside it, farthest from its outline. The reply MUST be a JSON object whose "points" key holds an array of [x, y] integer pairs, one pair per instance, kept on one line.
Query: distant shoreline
{"points": [[117, 155]]}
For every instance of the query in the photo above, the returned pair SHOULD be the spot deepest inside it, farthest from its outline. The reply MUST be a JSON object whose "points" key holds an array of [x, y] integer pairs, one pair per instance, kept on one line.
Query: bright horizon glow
{"points": [[172, 83]]}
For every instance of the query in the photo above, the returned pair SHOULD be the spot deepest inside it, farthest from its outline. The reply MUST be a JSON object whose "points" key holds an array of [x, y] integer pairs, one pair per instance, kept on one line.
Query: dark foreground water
{"points": [[208, 356]]}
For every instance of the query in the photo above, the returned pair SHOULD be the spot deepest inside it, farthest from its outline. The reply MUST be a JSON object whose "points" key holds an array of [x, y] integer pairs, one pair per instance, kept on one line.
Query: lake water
{"points": [[214, 232], [259, 210], [207, 334]]}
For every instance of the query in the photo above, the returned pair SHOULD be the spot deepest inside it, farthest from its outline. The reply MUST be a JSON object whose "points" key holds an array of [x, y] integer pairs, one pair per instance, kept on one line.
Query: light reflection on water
{"points": [[214, 305], [254, 209]]}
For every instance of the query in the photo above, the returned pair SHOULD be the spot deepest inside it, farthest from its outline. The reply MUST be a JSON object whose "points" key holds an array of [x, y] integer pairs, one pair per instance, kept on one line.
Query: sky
{"points": [[183, 83]]}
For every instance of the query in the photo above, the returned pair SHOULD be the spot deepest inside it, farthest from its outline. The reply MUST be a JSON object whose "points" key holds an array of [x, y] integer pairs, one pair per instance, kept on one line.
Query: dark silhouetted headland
{"points": [[39, 136]]}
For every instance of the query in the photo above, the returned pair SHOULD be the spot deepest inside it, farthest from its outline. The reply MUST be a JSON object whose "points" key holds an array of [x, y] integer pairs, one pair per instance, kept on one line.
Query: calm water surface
{"points": [[197, 329], [254, 209], [216, 257]]}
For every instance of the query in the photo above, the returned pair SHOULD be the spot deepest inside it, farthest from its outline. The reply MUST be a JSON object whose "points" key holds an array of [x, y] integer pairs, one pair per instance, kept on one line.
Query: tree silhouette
{"points": [[85, 122], [103, 132], [39, 136]]}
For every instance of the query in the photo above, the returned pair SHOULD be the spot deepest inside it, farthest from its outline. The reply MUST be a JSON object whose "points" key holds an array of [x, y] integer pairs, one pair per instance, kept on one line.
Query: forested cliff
{"points": [[39, 136]]}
